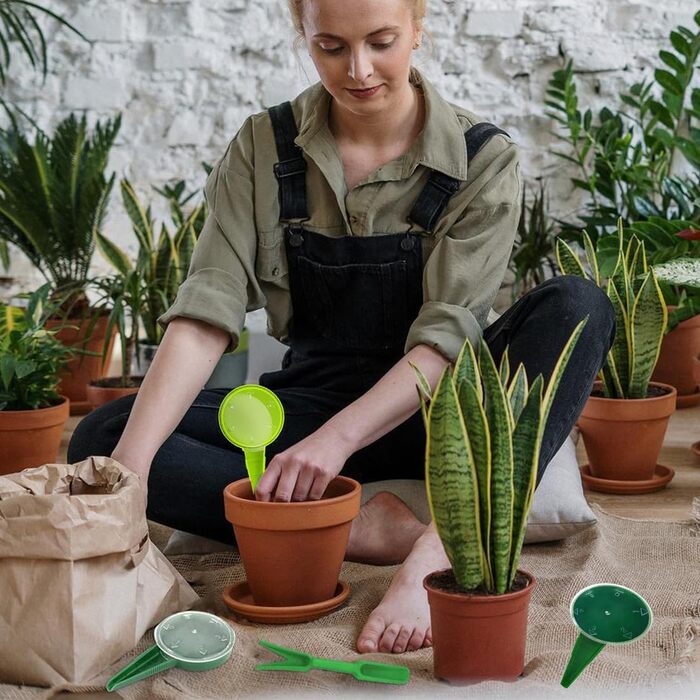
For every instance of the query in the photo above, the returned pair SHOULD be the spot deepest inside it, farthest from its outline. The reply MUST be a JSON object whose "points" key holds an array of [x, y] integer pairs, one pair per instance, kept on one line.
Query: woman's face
{"points": [[361, 44]]}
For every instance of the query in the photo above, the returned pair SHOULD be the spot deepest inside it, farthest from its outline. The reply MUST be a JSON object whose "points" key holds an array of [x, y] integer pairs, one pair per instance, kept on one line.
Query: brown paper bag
{"points": [[80, 581]]}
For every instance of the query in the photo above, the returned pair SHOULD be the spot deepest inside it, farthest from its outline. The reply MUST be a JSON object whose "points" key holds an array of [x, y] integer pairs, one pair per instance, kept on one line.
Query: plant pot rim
{"points": [[305, 505], [35, 411], [476, 598], [664, 397], [287, 516]]}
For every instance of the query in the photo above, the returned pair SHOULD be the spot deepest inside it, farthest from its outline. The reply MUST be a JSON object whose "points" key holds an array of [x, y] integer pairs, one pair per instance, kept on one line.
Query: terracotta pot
{"points": [[623, 437], [82, 369], [100, 395], [31, 438], [292, 552], [676, 359], [476, 637]]}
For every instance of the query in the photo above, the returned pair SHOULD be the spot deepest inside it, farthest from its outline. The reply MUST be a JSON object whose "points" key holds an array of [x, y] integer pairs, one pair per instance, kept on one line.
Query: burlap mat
{"points": [[660, 560]]}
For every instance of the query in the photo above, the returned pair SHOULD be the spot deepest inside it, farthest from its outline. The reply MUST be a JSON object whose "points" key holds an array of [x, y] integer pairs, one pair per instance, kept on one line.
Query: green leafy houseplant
{"points": [[53, 195], [484, 429], [640, 313], [30, 355], [533, 253], [162, 259], [625, 157]]}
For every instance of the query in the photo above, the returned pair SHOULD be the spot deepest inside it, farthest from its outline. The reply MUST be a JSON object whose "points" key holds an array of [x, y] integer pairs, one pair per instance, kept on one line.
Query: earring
{"points": [[416, 45]]}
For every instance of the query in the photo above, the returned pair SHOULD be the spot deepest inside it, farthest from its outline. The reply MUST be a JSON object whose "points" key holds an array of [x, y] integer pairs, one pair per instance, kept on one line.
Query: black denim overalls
{"points": [[354, 299]]}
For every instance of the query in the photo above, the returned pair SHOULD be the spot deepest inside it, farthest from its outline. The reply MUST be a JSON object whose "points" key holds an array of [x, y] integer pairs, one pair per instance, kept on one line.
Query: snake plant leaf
{"points": [[517, 392], [637, 266], [480, 443], [113, 254], [164, 254], [526, 458], [466, 368], [683, 271], [423, 409], [611, 380], [557, 373], [568, 261], [591, 257], [451, 485], [498, 416], [622, 350], [140, 218], [504, 369], [423, 384], [647, 322], [620, 275]]}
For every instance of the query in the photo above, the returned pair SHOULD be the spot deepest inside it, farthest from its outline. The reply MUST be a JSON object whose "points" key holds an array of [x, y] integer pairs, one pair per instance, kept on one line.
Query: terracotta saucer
{"points": [[688, 400], [662, 476], [695, 447], [239, 599]]}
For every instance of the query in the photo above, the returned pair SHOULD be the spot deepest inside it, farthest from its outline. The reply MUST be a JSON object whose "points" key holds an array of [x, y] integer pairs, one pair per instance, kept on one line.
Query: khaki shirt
{"points": [[239, 262]]}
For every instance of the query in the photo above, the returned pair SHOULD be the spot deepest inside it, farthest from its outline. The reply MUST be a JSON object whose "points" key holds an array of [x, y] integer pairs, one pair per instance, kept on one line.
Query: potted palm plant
{"points": [[624, 421], [164, 259], [53, 195], [32, 412], [484, 429]]}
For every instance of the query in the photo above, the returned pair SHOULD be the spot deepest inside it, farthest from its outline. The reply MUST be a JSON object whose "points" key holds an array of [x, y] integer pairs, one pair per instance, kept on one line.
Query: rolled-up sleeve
{"points": [[464, 271], [221, 283]]}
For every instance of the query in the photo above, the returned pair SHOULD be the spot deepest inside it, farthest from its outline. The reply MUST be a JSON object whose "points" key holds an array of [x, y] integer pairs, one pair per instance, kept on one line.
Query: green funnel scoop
{"points": [[251, 417], [605, 613]]}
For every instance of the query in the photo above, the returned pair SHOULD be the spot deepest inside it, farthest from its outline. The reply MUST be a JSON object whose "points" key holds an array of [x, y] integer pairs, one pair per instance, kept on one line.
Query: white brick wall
{"points": [[185, 74]]}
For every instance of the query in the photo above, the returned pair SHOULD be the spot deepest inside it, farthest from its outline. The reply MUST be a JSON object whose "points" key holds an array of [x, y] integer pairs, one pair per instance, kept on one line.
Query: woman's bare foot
{"points": [[401, 622], [384, 532]]}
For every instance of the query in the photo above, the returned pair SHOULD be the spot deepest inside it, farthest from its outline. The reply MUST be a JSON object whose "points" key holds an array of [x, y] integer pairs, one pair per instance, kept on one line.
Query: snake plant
{"points": [[640, 313], [484, 429]]}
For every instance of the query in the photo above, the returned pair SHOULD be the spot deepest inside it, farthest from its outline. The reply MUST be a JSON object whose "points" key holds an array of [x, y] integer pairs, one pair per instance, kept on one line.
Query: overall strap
{"points": [[290, 171], [434, 196]]}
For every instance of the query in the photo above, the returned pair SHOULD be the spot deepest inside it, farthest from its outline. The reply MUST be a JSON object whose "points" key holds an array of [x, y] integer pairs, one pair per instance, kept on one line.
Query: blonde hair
{"points": [[296, 12]]}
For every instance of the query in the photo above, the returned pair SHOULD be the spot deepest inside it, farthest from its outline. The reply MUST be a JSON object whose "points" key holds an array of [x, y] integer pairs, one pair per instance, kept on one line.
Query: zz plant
{"points": [[484, 430], [624, 155], [640, 313]]}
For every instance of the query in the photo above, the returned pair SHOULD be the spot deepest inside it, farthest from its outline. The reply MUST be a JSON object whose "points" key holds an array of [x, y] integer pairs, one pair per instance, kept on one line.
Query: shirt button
{"points": [[353, 219], [275, 271]]}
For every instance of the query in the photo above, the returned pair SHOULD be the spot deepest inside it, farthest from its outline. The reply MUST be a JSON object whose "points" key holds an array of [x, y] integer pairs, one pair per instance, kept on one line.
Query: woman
{"points": [[375, 235]]}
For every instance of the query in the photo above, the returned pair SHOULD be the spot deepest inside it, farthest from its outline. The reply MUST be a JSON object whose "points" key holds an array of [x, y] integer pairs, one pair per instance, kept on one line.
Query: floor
{"points": [[672, 503]]}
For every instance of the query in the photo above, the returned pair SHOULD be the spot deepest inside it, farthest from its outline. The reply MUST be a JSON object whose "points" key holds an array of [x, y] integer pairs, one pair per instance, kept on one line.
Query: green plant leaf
{"points": [[466, 368], [684, 271], [498, 416], [568, 261], [480, 443], [526, 458], [647, 323], [451, 485], [620, 354]]}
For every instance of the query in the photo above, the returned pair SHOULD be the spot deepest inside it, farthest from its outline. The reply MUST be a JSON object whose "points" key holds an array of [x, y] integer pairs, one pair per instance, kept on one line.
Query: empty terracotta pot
{"points": [[676, 358], [292, 552], [82, 369], [623, 437], [31, 438], [99, 395], [476, 637]]}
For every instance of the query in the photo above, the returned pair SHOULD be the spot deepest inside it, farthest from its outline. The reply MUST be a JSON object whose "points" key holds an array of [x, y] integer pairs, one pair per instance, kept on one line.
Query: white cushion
{"points": [[559, 509]]}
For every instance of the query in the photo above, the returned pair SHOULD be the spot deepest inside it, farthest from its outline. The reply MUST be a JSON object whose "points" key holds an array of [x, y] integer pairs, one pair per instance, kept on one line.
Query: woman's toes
{"points": [[416, 640], [386, 643], [402, 640], [428, 641], [368, 641]]}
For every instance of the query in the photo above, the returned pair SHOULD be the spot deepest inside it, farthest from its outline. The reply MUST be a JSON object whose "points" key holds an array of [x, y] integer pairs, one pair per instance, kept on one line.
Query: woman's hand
{"points": [[303, 471]]}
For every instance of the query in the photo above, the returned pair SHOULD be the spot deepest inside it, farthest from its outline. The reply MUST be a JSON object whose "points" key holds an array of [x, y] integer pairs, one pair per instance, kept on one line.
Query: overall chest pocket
{"points": [[356, 306]]}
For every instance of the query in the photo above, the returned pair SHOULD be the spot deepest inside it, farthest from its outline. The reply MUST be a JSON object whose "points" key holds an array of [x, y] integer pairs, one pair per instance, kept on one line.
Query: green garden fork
{"points": [[362, 670]]}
